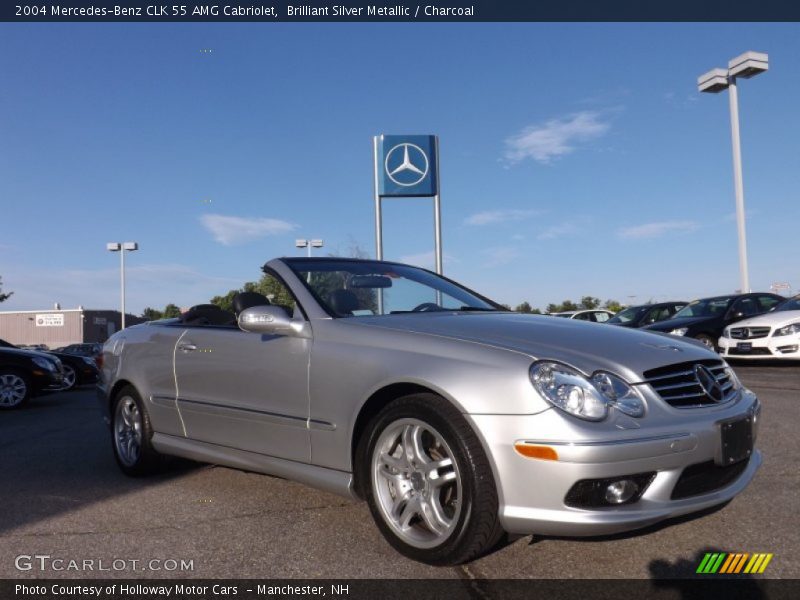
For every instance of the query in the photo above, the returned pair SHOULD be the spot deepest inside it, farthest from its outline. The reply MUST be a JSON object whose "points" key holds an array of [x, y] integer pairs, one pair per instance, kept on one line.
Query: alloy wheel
{"points": [[128, 431], [417, 483], [13, 390]]}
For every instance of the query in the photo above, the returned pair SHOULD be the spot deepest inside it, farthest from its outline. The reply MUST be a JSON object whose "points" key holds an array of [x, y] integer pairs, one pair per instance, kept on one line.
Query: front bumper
{"points": [[783, 346], [532, 491]]}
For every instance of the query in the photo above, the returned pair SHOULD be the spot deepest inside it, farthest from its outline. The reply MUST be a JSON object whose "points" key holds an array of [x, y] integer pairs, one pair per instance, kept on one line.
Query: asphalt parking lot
{"points": [[62, 495]]}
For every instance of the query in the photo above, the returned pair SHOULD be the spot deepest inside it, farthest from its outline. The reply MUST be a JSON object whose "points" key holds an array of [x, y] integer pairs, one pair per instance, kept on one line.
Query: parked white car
{"points": [[775, 334], [595, 315]]}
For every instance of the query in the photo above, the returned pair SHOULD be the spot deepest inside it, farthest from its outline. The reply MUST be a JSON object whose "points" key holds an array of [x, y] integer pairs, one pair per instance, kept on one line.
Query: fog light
{"points": [[600, 493], [621, 491]]}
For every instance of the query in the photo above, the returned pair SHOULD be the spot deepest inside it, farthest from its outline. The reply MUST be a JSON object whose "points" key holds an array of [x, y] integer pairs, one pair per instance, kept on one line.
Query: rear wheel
{"points": [[428, 482], [15, 389], [131, 433]]}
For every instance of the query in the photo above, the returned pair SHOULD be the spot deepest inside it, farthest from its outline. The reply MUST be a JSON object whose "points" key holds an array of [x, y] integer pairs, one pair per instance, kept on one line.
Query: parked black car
{"points": [[78, 370], [646, 314], [705, 319], [26, 373]]}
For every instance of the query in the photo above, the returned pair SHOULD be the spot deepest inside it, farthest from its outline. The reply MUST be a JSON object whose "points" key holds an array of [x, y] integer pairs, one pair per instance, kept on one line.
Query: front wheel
{"points": [[428, 482], [707, 340], [131, 433], [15, 389]]}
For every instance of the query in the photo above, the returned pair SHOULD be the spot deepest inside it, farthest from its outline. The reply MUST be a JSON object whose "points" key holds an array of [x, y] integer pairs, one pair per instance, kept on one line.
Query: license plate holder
{"points": [[736, 439], [744, 346]]}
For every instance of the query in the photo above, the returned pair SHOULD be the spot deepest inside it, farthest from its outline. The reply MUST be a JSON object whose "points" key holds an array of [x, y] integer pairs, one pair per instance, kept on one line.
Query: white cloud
{"points": [[557, 231], [489, 217], [656, 230], [554, 138], [237, 230]]}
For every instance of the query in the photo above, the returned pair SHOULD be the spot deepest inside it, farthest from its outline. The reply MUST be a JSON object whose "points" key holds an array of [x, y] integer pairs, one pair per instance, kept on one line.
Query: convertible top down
{"points": [[456, 420]]}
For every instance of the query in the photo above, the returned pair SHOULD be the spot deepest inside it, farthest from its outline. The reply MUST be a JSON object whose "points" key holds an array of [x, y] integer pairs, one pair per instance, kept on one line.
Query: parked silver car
{"points": [[456, 420]]}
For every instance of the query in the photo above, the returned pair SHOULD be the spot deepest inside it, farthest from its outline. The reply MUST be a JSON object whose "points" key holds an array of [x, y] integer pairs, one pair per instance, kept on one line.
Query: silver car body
{"points": [[290, 405]]}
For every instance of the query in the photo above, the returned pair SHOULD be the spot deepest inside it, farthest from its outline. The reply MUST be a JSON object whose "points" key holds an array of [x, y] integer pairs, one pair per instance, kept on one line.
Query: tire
{"points": [[70, 378], [707, 340], [436, 522], [15, 389], [131, 435]]}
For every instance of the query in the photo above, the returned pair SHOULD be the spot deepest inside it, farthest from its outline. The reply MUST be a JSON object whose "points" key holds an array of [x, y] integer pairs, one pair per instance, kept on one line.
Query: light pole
{"points": [[308, 244], [121, 247], [746, 65]]}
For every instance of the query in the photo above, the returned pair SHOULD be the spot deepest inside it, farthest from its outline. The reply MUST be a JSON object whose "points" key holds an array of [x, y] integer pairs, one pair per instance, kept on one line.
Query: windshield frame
{"points": [[293, 262]]}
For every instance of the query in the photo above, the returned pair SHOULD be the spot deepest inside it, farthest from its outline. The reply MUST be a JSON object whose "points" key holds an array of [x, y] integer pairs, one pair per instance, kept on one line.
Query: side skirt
{"points": [[329, 480]]}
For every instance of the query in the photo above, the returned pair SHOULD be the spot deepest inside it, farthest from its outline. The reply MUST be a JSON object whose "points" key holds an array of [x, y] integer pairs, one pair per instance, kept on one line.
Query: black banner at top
{"points": [[400, 11]]}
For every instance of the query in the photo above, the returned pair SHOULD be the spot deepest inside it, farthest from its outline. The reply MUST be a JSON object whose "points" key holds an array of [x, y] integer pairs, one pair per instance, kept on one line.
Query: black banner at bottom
{"points": [[732, 588]]}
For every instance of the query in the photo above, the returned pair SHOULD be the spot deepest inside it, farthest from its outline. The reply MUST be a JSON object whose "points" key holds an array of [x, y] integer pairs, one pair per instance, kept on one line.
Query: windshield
{"points": [[628, 315], [790, 304], [354, 288], [709, 307]]}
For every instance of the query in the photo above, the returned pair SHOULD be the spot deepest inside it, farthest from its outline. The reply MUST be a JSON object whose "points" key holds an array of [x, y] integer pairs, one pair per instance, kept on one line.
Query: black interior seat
{"points": [[244, 300], [207, 314], [343, 302]]}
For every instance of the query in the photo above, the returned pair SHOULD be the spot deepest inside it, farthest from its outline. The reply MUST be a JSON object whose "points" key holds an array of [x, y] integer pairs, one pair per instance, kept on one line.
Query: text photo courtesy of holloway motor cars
{"points": [[494, 305]]}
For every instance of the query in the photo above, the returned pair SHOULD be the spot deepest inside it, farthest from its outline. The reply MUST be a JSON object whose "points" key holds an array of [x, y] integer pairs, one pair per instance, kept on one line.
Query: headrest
{"points": [[343, 302], [244, 300]]}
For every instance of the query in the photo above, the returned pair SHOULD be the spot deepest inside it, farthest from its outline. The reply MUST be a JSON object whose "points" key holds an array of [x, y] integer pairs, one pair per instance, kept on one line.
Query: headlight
{"points": [[726, 333], [88, 361], [47, 365], [679, 331], [737, 385], [568, 390], [788, 330], [619, 394]]}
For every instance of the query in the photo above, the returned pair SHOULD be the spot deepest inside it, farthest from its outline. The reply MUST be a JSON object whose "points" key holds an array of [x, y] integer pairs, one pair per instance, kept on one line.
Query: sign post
{"points": [[407, 166]]}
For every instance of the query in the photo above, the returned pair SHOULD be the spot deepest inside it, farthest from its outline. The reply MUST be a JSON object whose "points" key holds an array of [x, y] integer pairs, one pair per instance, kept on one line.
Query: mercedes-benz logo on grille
{"points": [[709, 383], [745, 333]]}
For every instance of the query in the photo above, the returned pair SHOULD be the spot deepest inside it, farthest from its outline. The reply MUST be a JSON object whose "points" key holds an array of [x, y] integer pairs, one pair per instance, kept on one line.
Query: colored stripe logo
{"points": [[733, 563]]}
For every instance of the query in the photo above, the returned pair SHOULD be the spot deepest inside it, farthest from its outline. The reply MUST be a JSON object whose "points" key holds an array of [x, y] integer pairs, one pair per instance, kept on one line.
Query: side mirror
{"points": [[272, 320]]}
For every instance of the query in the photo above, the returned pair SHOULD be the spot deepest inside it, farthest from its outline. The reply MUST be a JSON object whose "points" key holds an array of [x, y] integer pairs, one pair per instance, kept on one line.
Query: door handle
{"points": [[186, 347]]}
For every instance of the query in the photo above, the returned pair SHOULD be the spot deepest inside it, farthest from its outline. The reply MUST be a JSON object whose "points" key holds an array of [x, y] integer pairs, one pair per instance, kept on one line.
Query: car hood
{"points": [[587, 346], [774, 319], [23, 352], [670, 324]]}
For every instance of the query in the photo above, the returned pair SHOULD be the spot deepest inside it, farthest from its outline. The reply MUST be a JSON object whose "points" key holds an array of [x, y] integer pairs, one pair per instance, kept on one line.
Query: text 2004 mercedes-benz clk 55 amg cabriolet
{"points": [[455, 419]]}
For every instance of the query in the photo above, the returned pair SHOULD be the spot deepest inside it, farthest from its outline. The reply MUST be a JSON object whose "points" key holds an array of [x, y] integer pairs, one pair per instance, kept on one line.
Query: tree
{"points": [[524, 308], [171, 311], [590, 302], [4, 297], [613, 306], [152, 314], [225, 302]]}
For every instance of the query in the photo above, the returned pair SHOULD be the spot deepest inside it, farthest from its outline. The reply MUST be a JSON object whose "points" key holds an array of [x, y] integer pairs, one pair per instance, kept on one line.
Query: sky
{"points": [[576, 159]]}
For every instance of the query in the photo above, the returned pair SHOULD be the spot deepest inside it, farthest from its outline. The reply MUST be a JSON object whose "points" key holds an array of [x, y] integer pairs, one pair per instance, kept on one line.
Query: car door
{"points": [[243, 390]]}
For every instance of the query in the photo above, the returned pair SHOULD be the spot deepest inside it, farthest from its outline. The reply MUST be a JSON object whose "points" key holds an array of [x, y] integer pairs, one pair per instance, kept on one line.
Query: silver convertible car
{"points": [[456, 420]]}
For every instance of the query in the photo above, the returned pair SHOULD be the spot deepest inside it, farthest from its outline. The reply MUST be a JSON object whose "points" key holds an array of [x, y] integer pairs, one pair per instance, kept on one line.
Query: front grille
{"points": [[679, 385], [749, 333], [706, 477]]}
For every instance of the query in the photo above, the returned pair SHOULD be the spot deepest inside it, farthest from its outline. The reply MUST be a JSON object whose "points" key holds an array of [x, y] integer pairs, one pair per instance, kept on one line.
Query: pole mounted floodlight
{"points": [[745, 65], [122, 247], [308, 244]]}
